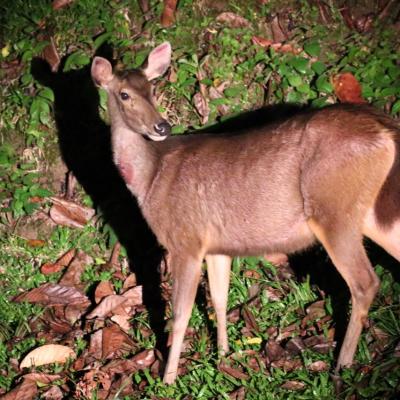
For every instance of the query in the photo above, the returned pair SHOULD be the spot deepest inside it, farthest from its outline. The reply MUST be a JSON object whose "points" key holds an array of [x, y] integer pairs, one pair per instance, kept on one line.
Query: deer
{"points": [[328, 176]]}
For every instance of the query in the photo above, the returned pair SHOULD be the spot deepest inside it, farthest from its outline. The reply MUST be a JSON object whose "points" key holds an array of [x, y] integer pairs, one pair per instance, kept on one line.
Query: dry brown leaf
{"points": [[106, 306], [274, 351], [120, 366], [26, 390], [54, 393], [201, 106], [168, 15], [277, 32], [95, 345], [115, 342], [259, 41], [233, 20], [134, 296], [93, 381], [47, 354], [293, 385], [41, 377], [129, 282], [69, 213], [63, 261], [35, 243], [52, 294], [318, 366], [249, 319], [72, 276], [122, 321], [347, 88], [236, 373], [50, 54], [144, 359], [295, 346], [238, 394], [103, 289]]}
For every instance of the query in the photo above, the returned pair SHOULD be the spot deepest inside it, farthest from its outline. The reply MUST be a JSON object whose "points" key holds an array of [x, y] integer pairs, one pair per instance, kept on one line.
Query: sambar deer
{"points": [[329, 175]]}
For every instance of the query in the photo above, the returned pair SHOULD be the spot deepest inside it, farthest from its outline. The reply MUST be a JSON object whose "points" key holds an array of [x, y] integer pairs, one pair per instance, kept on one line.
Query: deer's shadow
{"points": [[85, 146]]}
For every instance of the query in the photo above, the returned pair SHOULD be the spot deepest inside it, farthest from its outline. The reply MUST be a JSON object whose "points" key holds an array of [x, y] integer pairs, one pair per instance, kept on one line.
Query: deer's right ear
{"points": [[101, 72]]}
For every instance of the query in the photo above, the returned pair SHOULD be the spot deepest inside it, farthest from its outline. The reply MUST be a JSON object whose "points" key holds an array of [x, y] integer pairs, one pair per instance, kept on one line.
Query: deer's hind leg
{"points": [[338, 193], [346, 251]]}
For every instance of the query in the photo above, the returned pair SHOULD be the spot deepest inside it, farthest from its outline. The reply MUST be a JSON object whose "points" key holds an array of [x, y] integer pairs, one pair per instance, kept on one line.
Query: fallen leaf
{"points": [[293, 385], [233, 20], [318, 366], [249, 319], [54, 393], [201, 106], [35, 243], [72, 276], [69, 213], [63, 261], [95, 344], [120, 366], [115, 342], [259, 41], [347, 88], [144, 359], [41, 377], [134, 296], [238, 394], [274, 351], [26, 390], [47, 354], [52, 294], [50, 54], [129, 282], [168, 15], [122, 321], [236, 373], [93, 381], [106, 306], [295, 346], [277, 32], [103, 289]]}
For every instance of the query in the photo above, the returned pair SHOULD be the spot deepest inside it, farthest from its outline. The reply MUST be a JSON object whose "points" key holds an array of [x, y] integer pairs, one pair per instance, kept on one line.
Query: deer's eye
{"points": [[124, 96]]}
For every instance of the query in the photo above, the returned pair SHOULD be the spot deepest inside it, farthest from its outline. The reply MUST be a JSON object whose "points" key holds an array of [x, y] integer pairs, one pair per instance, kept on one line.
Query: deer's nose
{"points": [[163, 128]]}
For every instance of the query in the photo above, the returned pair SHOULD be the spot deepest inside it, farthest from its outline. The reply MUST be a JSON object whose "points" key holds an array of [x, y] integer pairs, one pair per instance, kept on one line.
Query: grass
{"points": [[209, 56]]}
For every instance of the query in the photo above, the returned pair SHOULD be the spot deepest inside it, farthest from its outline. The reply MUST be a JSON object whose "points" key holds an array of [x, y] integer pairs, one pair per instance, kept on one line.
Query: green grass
{"points": [[216, 56]]}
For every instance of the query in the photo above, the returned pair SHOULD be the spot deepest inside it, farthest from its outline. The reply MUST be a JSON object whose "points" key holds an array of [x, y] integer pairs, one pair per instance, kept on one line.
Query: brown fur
{"points": [[322, 176]]}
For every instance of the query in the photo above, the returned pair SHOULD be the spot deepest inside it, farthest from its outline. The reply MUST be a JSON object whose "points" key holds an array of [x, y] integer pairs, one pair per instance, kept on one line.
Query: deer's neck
{"points": [[134, 157]]}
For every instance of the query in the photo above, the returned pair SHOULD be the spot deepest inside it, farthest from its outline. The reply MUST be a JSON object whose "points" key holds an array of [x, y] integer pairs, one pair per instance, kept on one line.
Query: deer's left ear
{"points": [[158, 61]]}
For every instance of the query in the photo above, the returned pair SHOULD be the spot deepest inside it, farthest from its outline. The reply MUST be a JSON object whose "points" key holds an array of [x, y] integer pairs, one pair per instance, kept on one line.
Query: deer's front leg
{"points": [[218, 270], [185, 274]]}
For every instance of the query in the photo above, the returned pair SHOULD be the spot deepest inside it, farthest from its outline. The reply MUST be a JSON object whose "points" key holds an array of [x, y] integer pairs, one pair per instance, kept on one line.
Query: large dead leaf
{"points": [[69, 213], [235, 372], [63, 261], [115, 342], [47, 354], [26, 390], [107, 305], [144, 359], [134, 296], [72, 276], [103, 289], [50, 54], [52, 294]]}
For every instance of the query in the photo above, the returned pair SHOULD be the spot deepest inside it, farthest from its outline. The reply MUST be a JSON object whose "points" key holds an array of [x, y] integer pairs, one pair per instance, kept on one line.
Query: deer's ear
{"points": [[158, 61], [101, 72]]}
